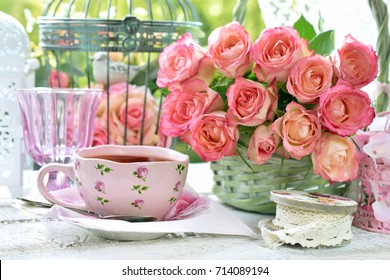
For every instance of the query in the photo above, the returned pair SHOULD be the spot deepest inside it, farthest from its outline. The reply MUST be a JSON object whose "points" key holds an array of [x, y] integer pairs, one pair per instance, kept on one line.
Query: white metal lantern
{"points": [[17, 70]]}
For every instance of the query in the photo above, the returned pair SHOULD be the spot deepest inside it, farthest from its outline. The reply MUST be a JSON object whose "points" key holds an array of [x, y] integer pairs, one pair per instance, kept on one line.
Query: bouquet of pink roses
{"points": [[286, 93]]}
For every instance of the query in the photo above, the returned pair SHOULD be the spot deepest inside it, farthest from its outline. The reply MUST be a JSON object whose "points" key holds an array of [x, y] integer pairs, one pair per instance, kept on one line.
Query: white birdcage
{"points": [[17, 69]]}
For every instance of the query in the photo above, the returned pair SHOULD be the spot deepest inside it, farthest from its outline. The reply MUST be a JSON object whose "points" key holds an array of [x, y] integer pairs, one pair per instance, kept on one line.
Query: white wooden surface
{"points": [[34, 238]]}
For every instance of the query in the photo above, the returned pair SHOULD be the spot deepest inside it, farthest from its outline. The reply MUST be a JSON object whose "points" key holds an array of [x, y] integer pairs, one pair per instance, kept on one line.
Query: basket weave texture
{"points": [[249, 189]]}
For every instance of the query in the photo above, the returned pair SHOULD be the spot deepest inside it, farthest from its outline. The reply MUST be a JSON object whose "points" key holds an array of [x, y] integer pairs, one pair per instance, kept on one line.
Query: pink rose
{"points": [[186, 102], [229, 47], [58, 79], [335, 158], [309, 78], [356, 63], [138, 203], [276, 51], [141, 173], [263, 144], [251, 103], [182, 60], [211, 137], [300, 130], [344, 110], [99, 133], [100, 186], [140, 116]]}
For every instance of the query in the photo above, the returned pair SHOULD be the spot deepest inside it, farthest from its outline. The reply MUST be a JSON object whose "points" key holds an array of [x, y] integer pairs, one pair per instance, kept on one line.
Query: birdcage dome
{"points": [[122, 25]]}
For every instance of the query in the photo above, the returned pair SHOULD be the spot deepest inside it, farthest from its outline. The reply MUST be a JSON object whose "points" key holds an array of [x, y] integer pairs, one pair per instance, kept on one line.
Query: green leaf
{"points": [[136, 187], [382, 102], [323, 43], [107, 169], [144, 188], [304, 28], [100, 166]]}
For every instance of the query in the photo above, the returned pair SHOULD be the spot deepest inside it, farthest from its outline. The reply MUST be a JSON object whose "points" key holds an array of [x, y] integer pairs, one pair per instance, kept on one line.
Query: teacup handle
{"points": [[68, 170]]}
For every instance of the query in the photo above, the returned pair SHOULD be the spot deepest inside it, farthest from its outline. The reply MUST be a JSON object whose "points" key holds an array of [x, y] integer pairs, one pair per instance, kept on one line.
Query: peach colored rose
{"points": [[229, 47], [356, 63], [263, 144], [186, 102], [58, 79], [211, 137], [276, 51], [300, 130], [309, 78], [140, 116], [344, 110], [251, 103], [335, 158], [99, 133], [182, 60]]}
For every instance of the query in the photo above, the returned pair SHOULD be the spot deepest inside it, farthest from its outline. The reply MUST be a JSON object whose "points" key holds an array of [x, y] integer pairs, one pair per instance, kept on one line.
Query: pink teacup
{"points": [[123, 180]]}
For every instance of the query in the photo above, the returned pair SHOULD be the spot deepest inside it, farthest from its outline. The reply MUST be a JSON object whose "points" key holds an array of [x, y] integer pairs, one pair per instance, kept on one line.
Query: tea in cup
{"points": [[123, 180]]}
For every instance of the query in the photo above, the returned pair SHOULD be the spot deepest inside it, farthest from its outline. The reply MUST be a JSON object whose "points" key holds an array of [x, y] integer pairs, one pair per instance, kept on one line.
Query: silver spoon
{"points": [[132, 219], [127, 218]]}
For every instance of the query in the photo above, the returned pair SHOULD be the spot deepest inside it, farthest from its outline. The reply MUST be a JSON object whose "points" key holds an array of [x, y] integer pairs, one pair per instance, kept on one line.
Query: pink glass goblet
{"points": [[56, 121]]}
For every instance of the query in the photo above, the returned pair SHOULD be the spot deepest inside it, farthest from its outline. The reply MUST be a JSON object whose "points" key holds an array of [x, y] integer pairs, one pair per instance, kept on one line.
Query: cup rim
{"points": [[88, 153]]}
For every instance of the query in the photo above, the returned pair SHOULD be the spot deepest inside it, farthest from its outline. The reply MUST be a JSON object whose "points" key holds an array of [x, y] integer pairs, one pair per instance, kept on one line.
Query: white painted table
{"points": [[34, 238]]}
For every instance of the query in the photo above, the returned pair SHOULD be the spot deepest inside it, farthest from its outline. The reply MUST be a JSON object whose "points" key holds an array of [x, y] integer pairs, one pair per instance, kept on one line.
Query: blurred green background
{"points": [[212, 14]]}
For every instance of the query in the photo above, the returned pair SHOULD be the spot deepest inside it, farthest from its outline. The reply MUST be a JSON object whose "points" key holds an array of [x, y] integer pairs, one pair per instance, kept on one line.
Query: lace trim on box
{"points": [[308, 228]]}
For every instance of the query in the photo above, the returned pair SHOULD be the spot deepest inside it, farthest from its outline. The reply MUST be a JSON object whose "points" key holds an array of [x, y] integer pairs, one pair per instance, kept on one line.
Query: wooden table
{"points": [[26, 235]]}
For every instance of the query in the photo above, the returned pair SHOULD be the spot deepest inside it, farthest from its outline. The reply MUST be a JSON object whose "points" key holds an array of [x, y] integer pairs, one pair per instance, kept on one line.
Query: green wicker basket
{"points": [[239, 186]]}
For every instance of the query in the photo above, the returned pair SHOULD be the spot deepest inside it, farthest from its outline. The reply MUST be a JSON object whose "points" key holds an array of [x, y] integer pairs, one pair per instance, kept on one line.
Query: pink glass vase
{"points": [[56, 121]]}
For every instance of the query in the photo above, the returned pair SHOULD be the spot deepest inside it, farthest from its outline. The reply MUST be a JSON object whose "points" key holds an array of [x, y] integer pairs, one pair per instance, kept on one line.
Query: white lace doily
{"points": [[315, 225]]}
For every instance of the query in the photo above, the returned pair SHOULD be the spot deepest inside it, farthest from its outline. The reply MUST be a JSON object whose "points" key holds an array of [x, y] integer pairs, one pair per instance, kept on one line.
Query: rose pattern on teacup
{"points": [[77, 164], [137, 203], [141, 173], [102, 200], [180, 168], [140, 188], [108, 186], [177, 186], [172, 200], [100, 186], [103, 169]]}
